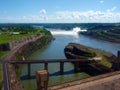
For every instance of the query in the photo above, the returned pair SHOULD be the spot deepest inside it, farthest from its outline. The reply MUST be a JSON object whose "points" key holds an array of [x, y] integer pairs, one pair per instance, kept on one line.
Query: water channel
{"points": [[55, 50]]}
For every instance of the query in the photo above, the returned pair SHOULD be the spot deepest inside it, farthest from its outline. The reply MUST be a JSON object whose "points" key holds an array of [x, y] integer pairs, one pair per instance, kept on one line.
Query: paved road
{"points": [[103, 82]]}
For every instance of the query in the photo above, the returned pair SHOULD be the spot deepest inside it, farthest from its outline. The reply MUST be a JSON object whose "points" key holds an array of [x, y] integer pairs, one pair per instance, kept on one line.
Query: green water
{"points": [[55, 50]]}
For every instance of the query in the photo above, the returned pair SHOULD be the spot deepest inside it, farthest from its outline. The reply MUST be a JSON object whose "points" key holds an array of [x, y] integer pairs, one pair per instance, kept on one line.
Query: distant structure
{"points": [[77, 29]]}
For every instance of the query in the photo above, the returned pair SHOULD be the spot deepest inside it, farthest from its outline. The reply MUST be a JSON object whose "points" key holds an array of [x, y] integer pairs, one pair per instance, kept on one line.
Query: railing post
{"points": [[61, 68], [46, 65], [76, 66], [118, 60], [29, 70], [116, 63], [118, 56], [42, 77], [5, 75]]}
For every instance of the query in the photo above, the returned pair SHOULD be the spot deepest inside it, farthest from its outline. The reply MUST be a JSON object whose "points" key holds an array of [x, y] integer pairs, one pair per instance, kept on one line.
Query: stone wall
{"points": [[19, 49], [17, 42]]}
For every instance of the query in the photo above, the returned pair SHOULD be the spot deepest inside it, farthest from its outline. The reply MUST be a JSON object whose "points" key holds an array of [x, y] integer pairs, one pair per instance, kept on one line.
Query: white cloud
{"points": [[43, 11], [69, 16], [89, 16], [113, 8], [101, 1]]}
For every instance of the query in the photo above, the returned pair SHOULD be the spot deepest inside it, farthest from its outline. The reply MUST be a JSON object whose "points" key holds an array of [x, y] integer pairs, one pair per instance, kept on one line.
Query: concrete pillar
{"points": [[29, 72], [61, 68], [42, 77], [118, 60], [116, 63], [76, 67], [118, 56], [46, 66]]}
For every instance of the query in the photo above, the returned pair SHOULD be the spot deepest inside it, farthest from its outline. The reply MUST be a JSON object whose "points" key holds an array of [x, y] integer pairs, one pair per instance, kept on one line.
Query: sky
{"points": [[59, 11]]}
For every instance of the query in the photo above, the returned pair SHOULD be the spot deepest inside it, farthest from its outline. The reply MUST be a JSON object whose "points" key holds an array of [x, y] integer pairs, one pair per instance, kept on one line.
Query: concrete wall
{"points": [[19, 49], [4, 47]]}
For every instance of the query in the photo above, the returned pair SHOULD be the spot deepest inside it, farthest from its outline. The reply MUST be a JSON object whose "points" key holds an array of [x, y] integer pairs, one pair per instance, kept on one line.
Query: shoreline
{"points": [[20, 51], [101, 38]]}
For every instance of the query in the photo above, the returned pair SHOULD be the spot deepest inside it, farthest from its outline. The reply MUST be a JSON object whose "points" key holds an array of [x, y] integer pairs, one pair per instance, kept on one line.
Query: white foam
{"points": [[73, 32], [77, 29]]}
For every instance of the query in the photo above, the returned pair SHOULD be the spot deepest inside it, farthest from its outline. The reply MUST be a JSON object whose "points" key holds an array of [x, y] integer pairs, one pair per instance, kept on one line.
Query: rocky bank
{"points": [[103, 65]]}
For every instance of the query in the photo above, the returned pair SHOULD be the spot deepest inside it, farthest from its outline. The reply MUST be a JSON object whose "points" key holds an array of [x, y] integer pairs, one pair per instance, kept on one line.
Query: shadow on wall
{"points": [[4, 47]]}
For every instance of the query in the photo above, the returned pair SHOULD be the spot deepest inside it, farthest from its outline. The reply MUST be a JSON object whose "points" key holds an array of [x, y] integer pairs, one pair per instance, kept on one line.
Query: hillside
{"points": [[111, 33]]}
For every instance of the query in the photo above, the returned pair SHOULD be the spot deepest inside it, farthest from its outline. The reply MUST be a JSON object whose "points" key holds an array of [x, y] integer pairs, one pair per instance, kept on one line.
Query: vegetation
{"points": [[104, 31], [103, 60], [10, 32], [81, 51], [88, 26], [111, 33], [23, 31]]}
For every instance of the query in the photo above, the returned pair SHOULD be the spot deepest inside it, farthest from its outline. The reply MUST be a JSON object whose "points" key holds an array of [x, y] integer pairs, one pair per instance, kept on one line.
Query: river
{"points": [[55, 50]]}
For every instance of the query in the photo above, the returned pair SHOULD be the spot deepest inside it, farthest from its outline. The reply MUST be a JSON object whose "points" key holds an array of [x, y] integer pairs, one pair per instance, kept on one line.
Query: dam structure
{"points": [[109, 81], [74, 32], [100, 82]]}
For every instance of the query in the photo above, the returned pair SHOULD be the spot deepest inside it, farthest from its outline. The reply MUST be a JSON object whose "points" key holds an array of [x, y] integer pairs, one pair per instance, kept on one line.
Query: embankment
{"points": [[20, 50], [104, 60]]}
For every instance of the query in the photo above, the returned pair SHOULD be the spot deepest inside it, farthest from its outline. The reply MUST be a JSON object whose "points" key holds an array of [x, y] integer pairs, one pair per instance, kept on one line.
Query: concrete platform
{"points": [[109, 81]]}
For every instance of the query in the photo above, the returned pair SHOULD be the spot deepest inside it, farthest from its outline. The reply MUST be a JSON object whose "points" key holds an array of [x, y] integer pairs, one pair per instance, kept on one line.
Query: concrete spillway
{"points": [[73, 32]]}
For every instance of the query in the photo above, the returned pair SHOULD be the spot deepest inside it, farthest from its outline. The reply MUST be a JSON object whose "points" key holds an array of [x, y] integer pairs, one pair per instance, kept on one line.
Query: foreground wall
{"points": [[22, 50]]}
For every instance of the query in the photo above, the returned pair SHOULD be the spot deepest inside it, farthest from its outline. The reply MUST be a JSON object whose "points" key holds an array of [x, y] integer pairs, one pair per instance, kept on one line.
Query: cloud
{"points": [[43, 11], [112, 9], [101, 1], [89, 16], [69, 16]]}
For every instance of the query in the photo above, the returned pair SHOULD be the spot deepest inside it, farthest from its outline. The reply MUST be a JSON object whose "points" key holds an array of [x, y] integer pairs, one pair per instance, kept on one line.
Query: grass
{"points": [[5, 38], [104, 56], [1, 55], [107, 57]]}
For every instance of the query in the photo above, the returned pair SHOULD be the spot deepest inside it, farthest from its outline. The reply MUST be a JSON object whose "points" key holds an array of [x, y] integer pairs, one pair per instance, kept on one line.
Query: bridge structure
{"points": [[46, 62], [60, 61]]}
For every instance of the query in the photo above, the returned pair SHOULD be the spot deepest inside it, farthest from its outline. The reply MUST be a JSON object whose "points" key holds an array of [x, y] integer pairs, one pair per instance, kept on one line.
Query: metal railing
{"points": [[45, 62], [5, 75]]}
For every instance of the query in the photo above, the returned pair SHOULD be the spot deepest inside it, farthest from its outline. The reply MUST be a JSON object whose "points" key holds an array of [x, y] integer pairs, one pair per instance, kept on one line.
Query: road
{"points": [[110, 81]]}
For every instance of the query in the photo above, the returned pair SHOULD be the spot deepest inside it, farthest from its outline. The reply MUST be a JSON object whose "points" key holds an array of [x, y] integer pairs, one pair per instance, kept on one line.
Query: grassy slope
{"points": [[5, 38], [107, 57], [109, 33]]}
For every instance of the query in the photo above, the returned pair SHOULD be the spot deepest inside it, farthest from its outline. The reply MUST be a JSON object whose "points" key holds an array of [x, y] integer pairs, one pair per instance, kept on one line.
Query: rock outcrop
{"points": [[75, 51], [105, 59]]}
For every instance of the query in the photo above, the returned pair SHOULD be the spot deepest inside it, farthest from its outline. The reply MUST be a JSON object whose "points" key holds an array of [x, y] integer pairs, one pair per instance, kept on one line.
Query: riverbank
{"points": [[11, 35], [103, 60], [23, 50], [112, 35], [20, 49]]}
